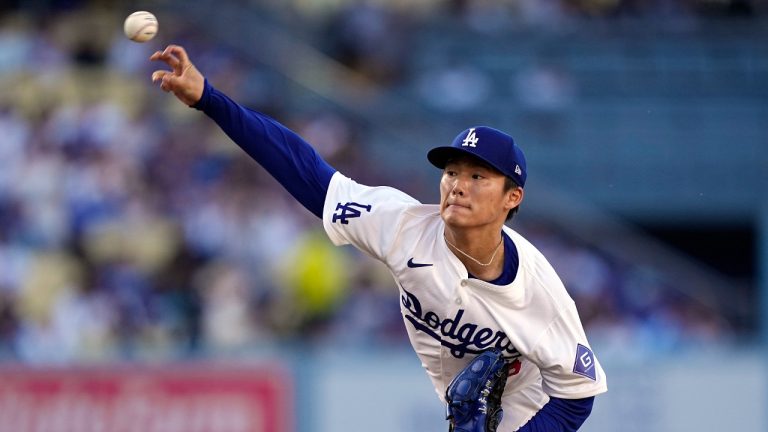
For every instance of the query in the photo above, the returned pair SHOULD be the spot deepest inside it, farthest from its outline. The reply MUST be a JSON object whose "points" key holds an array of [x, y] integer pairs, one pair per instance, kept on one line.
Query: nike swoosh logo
{"points": [[412, 264]]}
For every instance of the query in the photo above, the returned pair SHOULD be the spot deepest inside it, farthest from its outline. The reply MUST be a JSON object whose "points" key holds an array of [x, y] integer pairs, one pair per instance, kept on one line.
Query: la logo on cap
{"points": [[518, 171], [471, 139]]}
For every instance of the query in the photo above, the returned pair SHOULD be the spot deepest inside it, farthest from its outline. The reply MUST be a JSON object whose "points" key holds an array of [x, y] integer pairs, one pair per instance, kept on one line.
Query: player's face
{"points": [[472, 195]]}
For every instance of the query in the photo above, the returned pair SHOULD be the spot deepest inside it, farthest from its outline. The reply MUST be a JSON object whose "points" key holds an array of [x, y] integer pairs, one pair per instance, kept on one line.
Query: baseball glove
{"points": [[474, 394]]}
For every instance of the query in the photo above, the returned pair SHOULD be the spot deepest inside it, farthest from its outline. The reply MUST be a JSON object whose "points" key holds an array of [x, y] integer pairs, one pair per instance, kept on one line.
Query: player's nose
{"points": [[458, 187]]}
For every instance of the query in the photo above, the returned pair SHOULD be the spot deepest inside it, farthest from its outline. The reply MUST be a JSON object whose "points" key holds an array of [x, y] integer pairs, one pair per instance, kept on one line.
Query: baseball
{"points": [[140, 26]]}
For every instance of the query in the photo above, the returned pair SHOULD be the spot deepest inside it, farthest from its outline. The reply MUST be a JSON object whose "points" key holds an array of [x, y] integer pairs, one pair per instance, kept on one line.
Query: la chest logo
{"points": [[459, 337], [349, 210]]}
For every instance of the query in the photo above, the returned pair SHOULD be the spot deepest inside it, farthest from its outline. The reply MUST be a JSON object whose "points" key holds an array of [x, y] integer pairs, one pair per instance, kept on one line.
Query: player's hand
{"points": [[183, 80]]}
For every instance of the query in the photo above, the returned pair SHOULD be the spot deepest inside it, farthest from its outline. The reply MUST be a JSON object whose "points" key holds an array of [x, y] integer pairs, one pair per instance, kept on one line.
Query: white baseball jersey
{"points": [[451, 317]]}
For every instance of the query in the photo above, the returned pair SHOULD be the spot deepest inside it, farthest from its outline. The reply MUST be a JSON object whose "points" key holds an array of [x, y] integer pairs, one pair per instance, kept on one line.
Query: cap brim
{"points": [[439, 156]]}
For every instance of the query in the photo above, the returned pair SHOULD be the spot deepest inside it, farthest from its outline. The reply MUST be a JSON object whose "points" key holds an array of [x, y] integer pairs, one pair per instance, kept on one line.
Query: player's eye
{"points": [[477, 176]]}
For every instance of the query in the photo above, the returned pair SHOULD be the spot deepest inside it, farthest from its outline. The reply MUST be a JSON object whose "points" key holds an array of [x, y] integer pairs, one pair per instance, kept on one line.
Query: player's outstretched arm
{"points": [[183, 80], [282, 152]]}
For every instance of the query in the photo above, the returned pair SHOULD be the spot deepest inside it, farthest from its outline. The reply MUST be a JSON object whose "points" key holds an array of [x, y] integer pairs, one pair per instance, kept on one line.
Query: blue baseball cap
{"points": [[490, 145]]}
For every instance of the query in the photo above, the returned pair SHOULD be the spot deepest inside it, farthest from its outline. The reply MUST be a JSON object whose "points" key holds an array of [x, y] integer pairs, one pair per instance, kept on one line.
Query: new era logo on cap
{"points": [[490, 145]]}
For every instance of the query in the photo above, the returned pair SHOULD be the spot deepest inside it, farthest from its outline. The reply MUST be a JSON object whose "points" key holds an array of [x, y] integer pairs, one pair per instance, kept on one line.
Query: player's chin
{"points": [[455, 217]]}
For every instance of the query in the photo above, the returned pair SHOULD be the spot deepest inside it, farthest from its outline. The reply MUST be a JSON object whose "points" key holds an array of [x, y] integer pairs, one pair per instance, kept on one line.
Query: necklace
{"points": [[498, 246]]}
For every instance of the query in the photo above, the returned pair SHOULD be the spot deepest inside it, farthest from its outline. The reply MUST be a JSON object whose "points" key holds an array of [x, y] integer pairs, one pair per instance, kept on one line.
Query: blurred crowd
{"points": [[131, 228]]}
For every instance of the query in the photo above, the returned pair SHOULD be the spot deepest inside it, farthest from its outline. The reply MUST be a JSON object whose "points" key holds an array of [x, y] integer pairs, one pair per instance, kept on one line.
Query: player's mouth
{"points": [[456, 205]]}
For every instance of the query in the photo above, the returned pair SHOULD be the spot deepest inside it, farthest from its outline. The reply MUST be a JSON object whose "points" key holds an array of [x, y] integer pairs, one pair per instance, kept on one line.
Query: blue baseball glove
{"points": [[474, 394]]}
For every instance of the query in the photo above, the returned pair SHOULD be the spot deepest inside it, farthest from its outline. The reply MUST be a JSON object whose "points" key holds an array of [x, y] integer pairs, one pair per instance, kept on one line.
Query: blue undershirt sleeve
{"points": [[560, 415], [284, 154]]}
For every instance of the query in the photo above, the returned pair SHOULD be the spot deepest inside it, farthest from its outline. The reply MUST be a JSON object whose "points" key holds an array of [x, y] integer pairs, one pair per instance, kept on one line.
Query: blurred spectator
{"points": [[229, 322], [545, 90], [370, 39], [370, 313], [314, 279], [551, 15], [456, 87]]}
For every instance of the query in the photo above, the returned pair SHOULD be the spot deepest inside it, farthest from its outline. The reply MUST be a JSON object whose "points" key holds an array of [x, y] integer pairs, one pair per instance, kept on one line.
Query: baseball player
{"points": [[490, 320]]}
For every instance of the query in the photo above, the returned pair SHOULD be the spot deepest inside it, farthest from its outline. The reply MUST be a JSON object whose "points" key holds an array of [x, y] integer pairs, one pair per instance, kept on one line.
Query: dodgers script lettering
{"points": [[460, 337]]}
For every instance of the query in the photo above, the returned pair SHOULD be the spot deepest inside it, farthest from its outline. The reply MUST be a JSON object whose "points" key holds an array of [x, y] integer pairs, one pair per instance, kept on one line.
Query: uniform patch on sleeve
{"points": [[585, 362]]}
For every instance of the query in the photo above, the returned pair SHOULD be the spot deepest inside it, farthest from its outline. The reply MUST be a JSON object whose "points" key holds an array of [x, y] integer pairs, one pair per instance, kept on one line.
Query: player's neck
{"points": [[489, 273], [479, 242], [481, 252]]}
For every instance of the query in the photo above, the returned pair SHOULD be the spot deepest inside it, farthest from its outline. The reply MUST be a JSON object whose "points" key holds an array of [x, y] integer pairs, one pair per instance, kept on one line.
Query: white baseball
{"points": [[140, 26]]}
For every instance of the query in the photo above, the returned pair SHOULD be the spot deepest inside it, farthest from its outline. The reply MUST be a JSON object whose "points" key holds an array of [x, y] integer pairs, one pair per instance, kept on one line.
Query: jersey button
{"points": [[458, 300], [463, 283]]}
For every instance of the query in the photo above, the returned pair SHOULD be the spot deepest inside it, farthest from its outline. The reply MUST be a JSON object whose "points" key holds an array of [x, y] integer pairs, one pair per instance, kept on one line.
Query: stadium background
{"points": [[144, 258]]}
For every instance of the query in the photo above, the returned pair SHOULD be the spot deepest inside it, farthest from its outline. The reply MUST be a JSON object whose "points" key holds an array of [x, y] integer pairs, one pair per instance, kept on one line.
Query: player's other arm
{"points": [[285, 155], [560, 415]]}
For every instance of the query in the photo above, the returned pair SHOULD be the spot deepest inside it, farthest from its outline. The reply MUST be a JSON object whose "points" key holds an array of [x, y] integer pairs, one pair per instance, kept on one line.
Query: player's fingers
{"points": [[171, 83], [167, 83], [173, 62], [167, 57], [162, 56], [158, 75], [157, 55], [178, 52]]}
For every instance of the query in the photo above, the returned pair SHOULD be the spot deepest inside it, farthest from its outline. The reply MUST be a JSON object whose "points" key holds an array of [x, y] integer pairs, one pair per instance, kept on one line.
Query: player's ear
{"points": [[513, 197]]}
